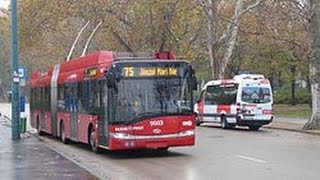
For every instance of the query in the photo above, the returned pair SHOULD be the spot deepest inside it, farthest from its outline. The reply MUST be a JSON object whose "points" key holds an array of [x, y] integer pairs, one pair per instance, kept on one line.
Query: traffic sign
{"points": [[22, 76], [22, 72]]}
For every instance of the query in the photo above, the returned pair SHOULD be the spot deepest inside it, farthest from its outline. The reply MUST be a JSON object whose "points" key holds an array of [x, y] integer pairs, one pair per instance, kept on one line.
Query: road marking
{"points": [[251, 159]]}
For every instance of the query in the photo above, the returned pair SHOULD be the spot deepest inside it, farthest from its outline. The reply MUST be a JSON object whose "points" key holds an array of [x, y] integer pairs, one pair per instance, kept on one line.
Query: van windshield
{"points": [[256, 94], [221, 94]]}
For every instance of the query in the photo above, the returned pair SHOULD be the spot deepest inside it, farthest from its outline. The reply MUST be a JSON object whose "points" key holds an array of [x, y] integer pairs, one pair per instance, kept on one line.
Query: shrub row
{"points": [[283, 96]]}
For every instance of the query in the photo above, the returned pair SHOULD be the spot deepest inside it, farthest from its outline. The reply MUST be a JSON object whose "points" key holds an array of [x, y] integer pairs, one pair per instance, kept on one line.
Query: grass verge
{"points": [[287, 110]]}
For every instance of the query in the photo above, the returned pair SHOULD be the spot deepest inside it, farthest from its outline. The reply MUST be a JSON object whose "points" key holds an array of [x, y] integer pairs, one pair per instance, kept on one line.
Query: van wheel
{"points": [[94, 147], [63, 134], [224, 123], [232, 126], [254, 127]]}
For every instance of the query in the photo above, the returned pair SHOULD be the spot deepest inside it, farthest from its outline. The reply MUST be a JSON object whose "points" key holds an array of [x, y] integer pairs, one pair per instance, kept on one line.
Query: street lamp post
{"points": [[15, 114]]}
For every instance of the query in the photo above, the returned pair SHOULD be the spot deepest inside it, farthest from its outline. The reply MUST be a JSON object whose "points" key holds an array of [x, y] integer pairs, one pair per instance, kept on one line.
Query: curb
{"points": [[294, 130], [27, 134], [5, 117]]}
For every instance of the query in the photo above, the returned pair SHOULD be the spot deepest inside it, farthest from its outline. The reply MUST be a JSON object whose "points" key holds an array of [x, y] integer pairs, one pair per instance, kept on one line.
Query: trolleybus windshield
{"points": [[148, 90]]}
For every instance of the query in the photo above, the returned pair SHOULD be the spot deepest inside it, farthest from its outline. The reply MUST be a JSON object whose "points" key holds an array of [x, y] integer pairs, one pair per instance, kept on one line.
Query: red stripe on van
{"points": [[225, 108], [227, 81], [264, 81], [266, 111]]}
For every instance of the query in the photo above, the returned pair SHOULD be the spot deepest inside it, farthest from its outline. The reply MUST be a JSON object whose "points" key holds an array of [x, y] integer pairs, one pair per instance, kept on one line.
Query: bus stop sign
{"points": [[22, 76]]}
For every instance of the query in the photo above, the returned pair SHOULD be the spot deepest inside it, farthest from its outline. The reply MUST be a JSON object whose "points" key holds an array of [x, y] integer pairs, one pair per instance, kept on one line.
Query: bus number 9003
{"points": [[156, 123]]}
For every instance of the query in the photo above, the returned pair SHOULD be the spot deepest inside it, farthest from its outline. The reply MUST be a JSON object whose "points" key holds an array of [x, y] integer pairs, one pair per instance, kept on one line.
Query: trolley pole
{"points": [[15, 113]]}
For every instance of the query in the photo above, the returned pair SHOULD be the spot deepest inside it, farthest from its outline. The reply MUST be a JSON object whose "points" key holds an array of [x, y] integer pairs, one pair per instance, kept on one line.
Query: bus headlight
{"points": [[121, 136], [186, 133]]}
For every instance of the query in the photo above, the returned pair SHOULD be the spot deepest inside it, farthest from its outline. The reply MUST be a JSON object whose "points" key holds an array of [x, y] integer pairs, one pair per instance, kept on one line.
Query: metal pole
{"points": [[15, 114]]}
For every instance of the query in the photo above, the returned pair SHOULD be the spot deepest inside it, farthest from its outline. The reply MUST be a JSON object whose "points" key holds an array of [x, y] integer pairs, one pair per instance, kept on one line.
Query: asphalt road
{"points": [[218, 154]]}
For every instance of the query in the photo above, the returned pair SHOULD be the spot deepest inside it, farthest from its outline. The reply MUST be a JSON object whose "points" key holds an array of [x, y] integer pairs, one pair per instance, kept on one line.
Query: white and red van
{"points": [[245, 100]]}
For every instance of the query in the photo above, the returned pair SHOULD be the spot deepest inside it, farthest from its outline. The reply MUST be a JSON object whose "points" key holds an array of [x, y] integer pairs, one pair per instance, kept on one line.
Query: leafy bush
{"points": [[283, 96]]}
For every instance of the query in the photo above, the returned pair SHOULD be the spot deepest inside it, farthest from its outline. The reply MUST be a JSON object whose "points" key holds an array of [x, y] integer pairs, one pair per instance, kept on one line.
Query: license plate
{"points": [[248, 117]]}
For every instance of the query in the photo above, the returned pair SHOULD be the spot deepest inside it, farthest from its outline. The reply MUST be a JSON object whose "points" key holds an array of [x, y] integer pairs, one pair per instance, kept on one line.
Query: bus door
{"points": [[42, 120], [73, 110], [103, 125], [54, 100]]}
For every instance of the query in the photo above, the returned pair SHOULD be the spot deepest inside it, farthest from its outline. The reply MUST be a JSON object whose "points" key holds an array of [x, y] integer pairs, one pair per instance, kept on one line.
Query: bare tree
{"points": [[211, 12], [314, 64], [228, 38]]}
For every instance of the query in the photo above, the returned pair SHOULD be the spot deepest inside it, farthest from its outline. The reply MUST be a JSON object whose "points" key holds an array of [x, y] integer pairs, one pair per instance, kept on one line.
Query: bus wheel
{"points": [[163, 149], [224, 123], [62, 134], [254, 127], [92, 143]]}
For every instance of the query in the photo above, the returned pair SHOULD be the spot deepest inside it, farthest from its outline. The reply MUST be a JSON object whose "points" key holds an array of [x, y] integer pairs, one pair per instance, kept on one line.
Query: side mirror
{"points": [[194, 83], [110, 79]]}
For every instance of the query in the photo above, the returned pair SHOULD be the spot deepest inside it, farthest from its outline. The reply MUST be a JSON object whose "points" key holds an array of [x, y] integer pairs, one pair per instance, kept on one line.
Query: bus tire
{"points": [[63, 138], [92, 143], [254, 127], [224, 123], [163, 149]]}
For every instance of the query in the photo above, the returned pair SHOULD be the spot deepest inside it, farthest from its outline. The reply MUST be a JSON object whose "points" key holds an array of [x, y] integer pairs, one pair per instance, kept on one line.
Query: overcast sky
{"points": [[4, 3]]}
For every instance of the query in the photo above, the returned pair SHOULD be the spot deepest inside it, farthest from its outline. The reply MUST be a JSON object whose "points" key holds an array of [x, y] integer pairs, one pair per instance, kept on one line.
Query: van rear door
{"points": [[256, 102]]}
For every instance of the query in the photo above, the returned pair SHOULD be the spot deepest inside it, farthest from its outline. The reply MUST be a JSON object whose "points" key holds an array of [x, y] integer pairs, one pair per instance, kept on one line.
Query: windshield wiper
{"points": [[179, 113], [148, 115]]}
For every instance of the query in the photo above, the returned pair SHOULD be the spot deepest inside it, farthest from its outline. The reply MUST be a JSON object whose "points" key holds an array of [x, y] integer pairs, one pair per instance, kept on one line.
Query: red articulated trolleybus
{"points": [[116, 102]]}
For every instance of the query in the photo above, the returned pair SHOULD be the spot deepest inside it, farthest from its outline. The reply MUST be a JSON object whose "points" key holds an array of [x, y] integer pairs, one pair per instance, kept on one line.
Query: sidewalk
{"points": [[28, 158], [291, 124], [5, 109]]}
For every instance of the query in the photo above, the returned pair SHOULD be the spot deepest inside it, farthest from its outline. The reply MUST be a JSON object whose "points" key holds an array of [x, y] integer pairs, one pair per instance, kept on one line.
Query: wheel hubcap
{"points": [[93, 145], [39, 128], [62, 134]]}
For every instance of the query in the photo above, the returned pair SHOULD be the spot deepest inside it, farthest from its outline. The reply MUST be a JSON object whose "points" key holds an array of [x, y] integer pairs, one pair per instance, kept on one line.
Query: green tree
{"points": [[4, 54]]}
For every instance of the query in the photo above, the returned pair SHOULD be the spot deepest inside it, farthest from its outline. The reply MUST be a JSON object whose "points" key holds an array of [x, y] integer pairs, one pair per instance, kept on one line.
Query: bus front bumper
{"points": [[151, 142]]}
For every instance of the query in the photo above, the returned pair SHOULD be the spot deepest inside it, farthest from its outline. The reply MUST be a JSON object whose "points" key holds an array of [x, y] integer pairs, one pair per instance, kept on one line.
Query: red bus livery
{"points": [[115, 102]]}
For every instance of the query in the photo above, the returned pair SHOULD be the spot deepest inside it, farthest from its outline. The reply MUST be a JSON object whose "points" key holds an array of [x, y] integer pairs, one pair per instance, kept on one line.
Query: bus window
{"points": [[80, 98], [61, 103], [84, 93]]}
